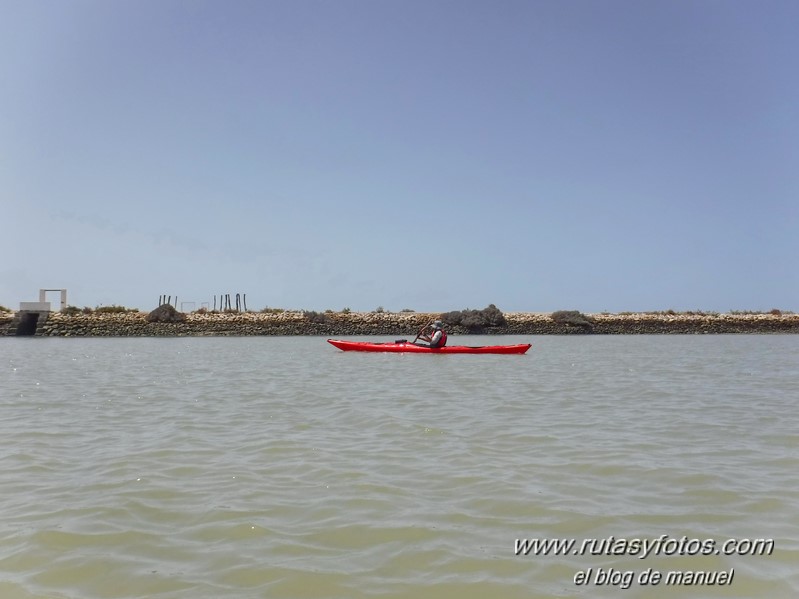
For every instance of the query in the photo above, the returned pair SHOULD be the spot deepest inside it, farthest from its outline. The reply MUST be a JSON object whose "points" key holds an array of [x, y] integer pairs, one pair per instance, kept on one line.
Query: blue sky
{"points": [[431, 155]]}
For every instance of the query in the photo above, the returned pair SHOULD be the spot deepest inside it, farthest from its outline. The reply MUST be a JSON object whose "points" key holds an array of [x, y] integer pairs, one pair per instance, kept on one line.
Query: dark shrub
{"points": [[71, 311], [494, 316], [572, 318], [475, 320], [165, 313], [452, 318]]}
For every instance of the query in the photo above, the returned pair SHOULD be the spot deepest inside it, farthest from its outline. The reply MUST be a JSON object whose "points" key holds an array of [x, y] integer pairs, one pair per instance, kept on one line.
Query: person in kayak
{"points": [[437, 336]]}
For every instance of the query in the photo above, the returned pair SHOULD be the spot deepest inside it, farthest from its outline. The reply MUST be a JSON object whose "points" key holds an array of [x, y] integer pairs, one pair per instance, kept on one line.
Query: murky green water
{"points": [[282, 467]]}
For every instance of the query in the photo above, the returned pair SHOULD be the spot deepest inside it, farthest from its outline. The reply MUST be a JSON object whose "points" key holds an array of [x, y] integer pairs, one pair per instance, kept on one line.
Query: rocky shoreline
{"points": [[135, 324]]}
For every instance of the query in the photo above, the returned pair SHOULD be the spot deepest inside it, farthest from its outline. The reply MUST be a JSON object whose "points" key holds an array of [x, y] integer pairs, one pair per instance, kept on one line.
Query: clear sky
{"points": [[431, 155]]}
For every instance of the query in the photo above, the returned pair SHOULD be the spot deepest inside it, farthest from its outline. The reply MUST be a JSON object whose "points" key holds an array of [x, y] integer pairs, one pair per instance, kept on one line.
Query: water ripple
{"points": [[279, 467]]}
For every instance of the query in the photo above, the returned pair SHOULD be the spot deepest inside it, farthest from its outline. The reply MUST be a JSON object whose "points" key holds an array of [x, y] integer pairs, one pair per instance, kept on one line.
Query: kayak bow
{"points": [[406, 347]]}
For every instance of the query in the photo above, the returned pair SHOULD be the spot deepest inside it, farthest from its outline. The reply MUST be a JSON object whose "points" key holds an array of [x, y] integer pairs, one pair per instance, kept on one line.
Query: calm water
{"points": [[281, 467]]}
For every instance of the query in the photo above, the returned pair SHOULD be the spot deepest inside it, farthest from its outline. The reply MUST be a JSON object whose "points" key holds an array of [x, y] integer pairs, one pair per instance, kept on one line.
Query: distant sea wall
{"points": [[134, 324]]}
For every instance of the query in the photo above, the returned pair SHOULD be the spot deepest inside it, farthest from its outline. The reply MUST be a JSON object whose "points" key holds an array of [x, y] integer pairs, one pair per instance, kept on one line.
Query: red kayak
{"points": [[404, 346]]}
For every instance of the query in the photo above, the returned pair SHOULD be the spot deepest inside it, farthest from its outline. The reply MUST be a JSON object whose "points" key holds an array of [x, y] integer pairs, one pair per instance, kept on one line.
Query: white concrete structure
{"points": [[34, 306], [43, 293]]}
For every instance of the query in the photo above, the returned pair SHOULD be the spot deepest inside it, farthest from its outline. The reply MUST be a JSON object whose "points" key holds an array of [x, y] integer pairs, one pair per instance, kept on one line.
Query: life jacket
{"points": [[441, 342]]}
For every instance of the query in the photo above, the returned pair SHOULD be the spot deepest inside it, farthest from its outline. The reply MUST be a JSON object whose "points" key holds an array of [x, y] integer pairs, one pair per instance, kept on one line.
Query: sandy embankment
{"points": [[403, 324]]}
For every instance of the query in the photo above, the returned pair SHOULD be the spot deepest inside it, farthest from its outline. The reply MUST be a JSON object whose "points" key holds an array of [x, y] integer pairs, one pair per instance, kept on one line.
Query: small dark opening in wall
{"points": [[27, 324]]}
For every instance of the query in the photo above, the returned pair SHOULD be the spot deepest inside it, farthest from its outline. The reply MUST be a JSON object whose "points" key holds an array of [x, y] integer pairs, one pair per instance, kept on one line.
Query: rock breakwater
{"points": [[135, 324]]}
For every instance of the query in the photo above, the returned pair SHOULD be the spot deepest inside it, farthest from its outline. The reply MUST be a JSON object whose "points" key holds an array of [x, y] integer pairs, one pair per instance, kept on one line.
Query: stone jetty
{"points": [[392, 324]]}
